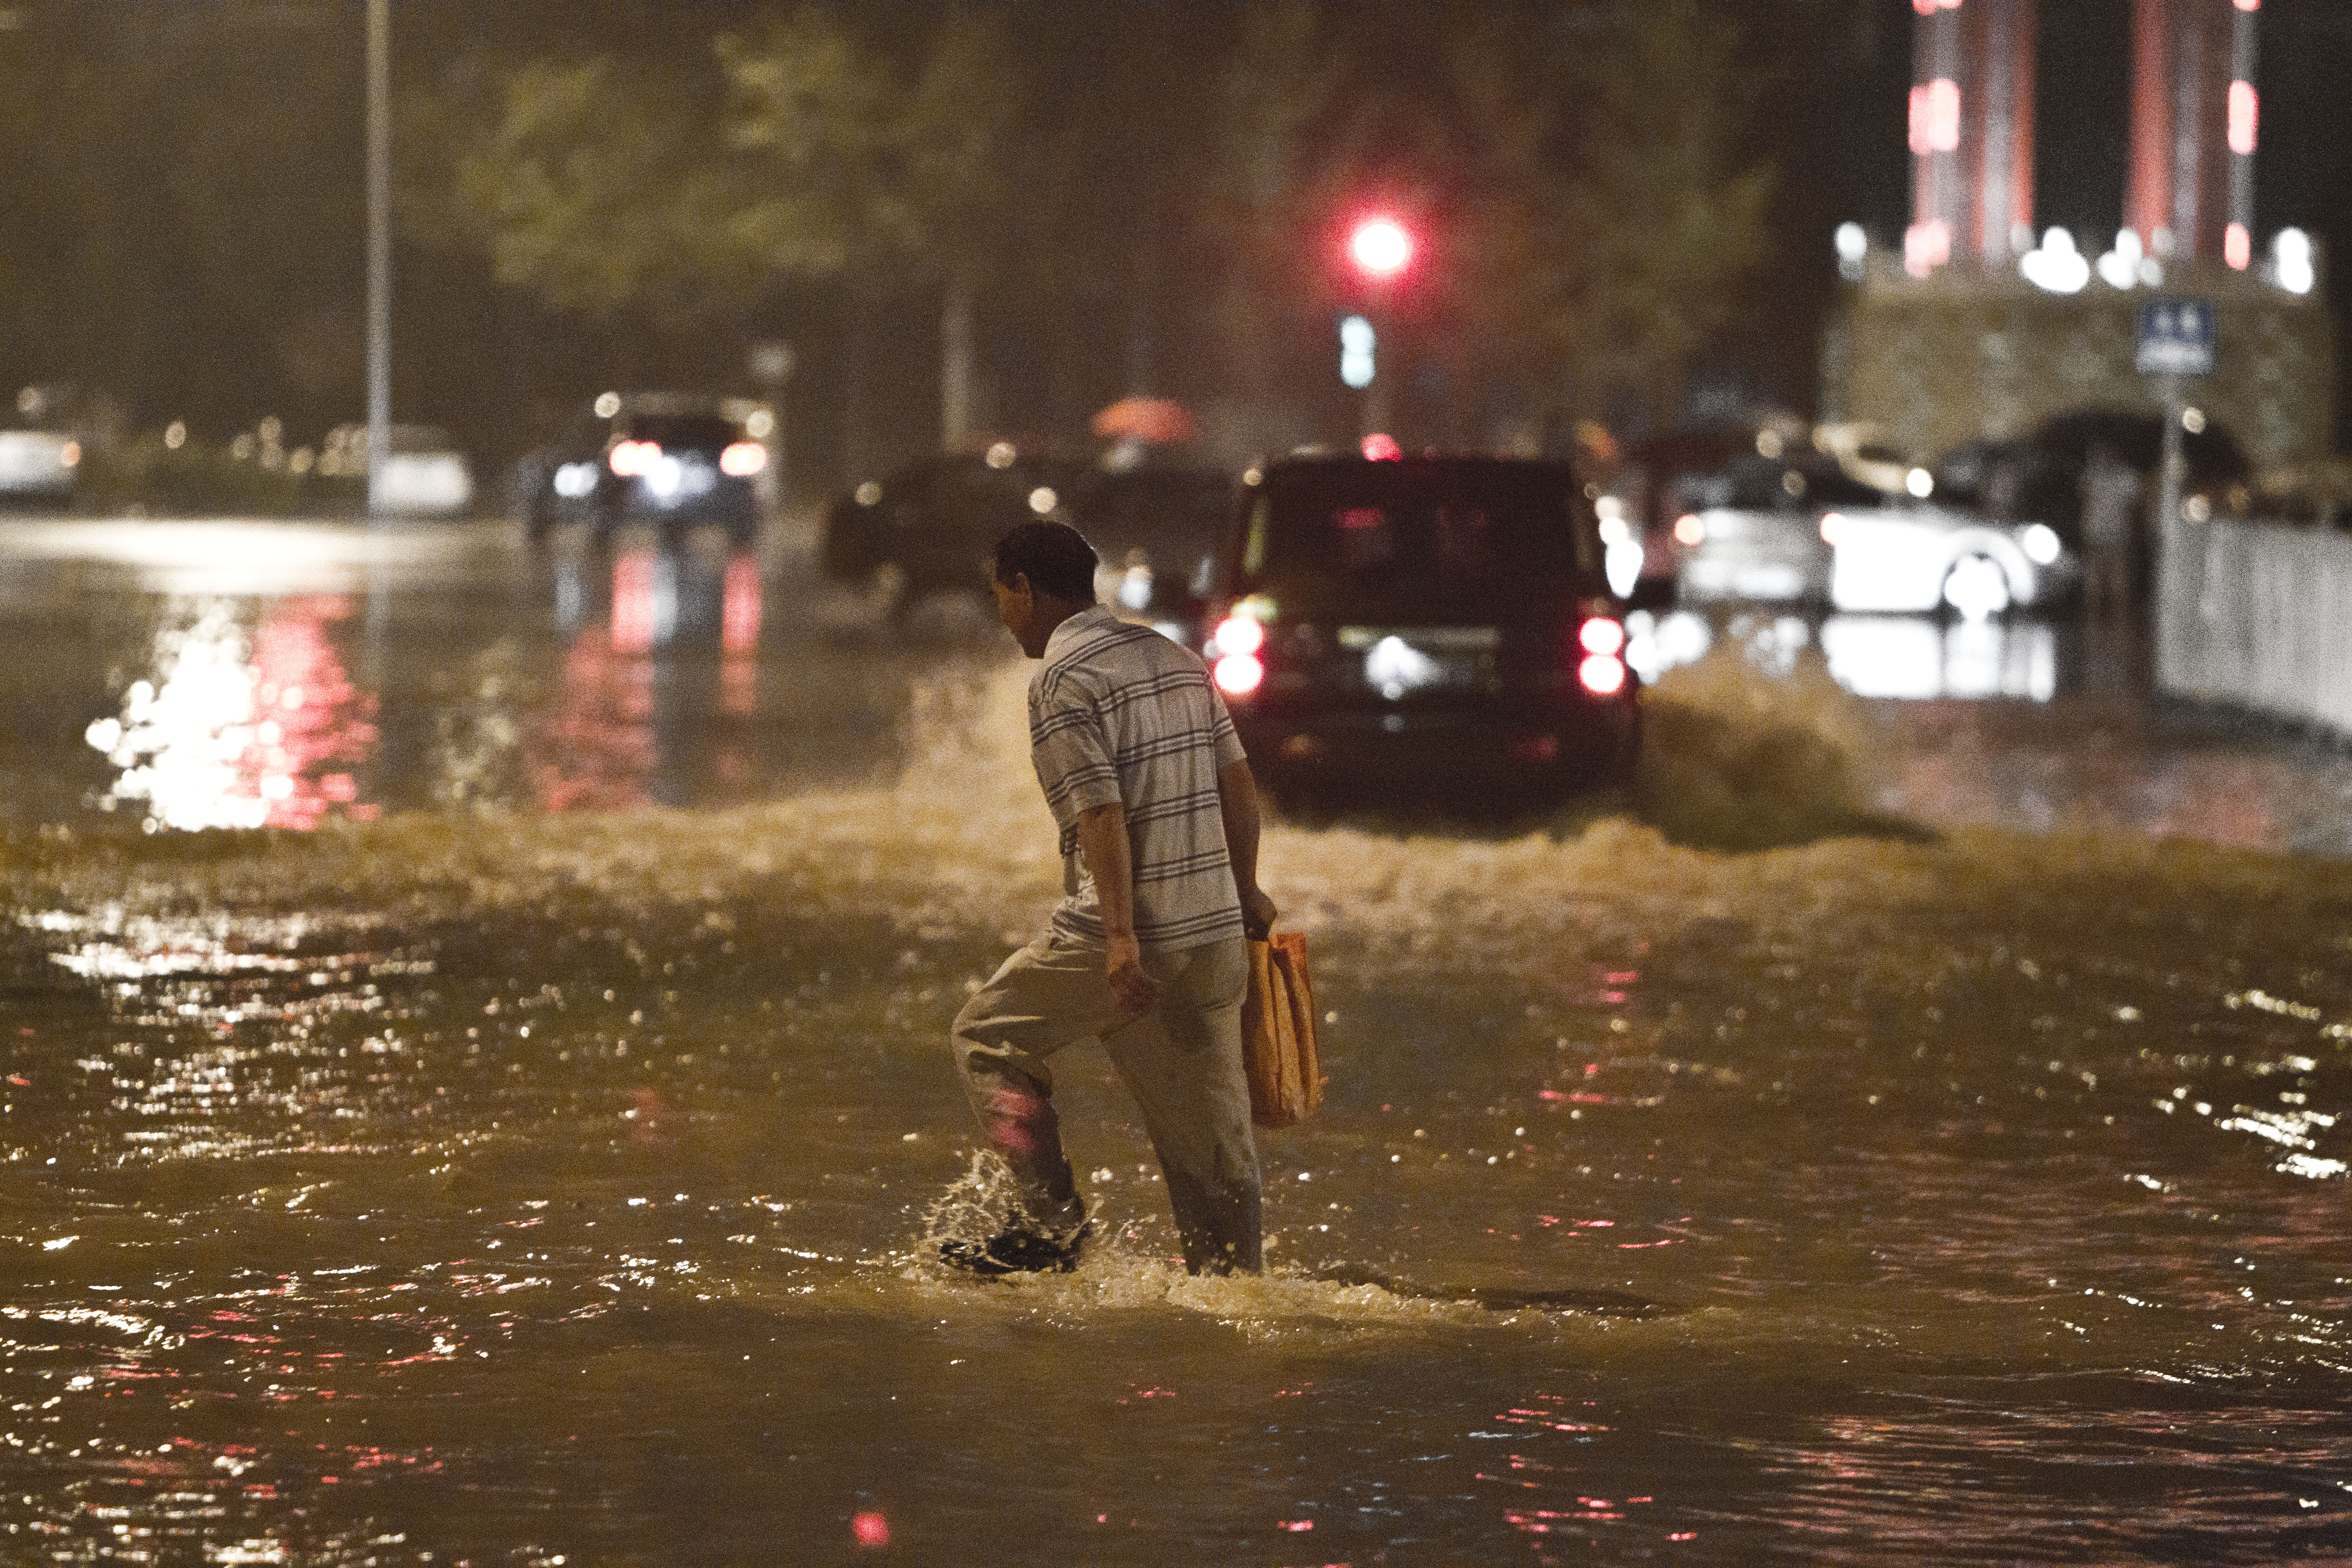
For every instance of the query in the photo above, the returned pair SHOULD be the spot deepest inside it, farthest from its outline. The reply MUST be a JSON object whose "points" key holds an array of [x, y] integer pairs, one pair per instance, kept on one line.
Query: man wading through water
{"points": [[1159, 822]]}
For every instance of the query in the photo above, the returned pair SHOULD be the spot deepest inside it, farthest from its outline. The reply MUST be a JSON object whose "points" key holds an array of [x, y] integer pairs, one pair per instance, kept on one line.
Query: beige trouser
{"points": [[1181, 1061]]}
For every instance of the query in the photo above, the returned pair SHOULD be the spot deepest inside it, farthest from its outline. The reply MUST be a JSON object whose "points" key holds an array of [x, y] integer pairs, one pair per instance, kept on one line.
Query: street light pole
{"points": [[379, 244], [1380, 248]]}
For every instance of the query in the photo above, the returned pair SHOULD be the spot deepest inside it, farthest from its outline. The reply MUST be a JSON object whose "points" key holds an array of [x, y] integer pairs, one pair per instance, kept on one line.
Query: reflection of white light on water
{"points": [[179, 743], [229, 735], [1656, 644], [1900, 656], [194, 557]]}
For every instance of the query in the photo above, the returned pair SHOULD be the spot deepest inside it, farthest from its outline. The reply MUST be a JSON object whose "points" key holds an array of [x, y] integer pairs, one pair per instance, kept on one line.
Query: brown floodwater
{"points": [[1805, 1160]]}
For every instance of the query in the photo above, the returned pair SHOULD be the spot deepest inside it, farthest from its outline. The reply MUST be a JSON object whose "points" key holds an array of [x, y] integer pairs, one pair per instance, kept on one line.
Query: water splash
{"points": [[975, 1207], [1737, 758]]}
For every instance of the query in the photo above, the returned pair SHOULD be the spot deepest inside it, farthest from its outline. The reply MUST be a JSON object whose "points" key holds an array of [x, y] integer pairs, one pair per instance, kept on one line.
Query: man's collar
{"points": [[1075, 625]]}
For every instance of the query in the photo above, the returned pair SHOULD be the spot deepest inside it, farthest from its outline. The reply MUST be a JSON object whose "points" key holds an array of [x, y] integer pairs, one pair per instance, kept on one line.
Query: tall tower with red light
{"points": [[2195, 115], [1972, 133], [1982, 333]]}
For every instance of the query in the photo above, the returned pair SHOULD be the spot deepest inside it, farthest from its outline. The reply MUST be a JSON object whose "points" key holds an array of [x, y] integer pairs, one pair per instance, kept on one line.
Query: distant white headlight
{"points": [[2040, 544]]}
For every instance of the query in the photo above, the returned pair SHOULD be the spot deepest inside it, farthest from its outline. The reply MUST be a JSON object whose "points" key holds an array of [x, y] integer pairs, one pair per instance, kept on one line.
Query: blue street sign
{"points": [[2176, 337]]}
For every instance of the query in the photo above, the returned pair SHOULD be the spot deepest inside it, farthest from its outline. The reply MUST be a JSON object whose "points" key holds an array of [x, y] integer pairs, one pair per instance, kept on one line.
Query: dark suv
{"points": [[931, 523], [1424, 622], [670, 461]]}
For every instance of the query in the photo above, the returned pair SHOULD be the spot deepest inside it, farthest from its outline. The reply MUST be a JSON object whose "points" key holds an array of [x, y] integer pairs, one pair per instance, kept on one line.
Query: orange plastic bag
{"points": [[1286, 1074]]}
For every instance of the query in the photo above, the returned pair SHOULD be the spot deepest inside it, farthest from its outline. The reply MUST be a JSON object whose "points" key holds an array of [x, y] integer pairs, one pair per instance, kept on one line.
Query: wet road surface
{"points": [[513, 1167]]}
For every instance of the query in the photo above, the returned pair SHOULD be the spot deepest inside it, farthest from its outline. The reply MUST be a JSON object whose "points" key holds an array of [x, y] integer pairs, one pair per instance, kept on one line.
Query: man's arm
{"points": [[1102, 839], [1237, 803]]}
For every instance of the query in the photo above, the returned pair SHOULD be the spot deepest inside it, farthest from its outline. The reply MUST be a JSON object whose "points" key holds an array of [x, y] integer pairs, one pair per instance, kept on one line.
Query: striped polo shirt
{"points": [[1117, 713]]}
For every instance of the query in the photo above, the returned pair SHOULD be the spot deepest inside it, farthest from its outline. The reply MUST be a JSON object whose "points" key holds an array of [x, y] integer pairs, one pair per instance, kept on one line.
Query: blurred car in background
{"points": [[1910, 556], [1750, 531], [423, 474], [669, 461], [1156, 528], [1802, 529], [1421, 622], [2040, 476], [930, 524], [41, 454]]}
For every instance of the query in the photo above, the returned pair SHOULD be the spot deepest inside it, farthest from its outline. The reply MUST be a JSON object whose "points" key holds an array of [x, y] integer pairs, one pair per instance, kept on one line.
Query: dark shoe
{"points": [[1017, 1249]]}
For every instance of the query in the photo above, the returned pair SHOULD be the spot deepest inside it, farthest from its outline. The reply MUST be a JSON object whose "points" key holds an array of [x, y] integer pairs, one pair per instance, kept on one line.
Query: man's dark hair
{"points": [[1053, 556]]}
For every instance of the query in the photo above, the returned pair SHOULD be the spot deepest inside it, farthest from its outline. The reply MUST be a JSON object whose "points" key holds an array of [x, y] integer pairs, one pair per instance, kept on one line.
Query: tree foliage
{"points": [[1577, 174], [1131, 196], [690, 189], [1619, 213]]}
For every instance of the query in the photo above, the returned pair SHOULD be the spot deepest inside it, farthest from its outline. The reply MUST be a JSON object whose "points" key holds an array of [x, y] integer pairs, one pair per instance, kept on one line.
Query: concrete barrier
{"points": [[2257, 615]]}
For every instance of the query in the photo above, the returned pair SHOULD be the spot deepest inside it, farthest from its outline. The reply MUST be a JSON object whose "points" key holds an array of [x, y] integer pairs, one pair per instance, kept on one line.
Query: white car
{"points": [[38, 464], [1919, 558], [1805, 532], [423, 474]]}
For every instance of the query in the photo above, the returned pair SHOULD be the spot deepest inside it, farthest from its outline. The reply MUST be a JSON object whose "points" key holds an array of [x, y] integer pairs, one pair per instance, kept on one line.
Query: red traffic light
{"points": [[1381, 247]]}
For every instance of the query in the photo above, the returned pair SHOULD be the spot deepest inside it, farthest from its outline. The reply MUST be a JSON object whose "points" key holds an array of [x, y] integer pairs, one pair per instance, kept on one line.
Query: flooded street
{"points": [[1909, 1129]]}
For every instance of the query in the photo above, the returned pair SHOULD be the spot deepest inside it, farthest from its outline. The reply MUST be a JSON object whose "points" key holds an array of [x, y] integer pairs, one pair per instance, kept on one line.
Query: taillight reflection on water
{"points": [[1603, 675]]}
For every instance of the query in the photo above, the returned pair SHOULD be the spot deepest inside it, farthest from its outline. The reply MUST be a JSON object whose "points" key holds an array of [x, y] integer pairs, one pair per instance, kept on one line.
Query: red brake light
{"points": [[1602, 635], [1239, 674], [1689, 530], [1240, 634], [631, 459], [1380, 448], [741, 459]]}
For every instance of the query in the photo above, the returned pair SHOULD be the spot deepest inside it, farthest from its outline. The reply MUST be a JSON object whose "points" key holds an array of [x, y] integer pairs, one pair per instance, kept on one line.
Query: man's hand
{"points": [[1257, 912], [1123, 965]]}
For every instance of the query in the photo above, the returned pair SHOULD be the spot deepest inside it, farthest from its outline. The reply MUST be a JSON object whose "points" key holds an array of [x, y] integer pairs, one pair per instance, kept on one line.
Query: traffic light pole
{"points": [[1377, 408]]}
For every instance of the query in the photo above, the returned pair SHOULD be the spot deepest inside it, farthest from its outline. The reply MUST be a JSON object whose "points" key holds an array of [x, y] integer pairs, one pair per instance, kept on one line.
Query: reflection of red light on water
{"points": [[598, 747], [738, 633], [740, 617], [634, 609], [871, 1529], [307, 715], [739, 686]]}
